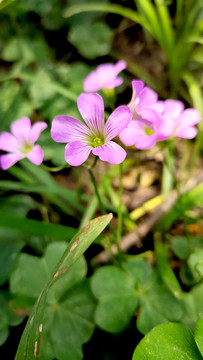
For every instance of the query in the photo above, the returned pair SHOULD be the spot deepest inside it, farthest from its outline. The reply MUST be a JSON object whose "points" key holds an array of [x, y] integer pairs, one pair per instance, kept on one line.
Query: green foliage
{"points": [[121, 292], [168, 341], [60, 292], [101, 37]]}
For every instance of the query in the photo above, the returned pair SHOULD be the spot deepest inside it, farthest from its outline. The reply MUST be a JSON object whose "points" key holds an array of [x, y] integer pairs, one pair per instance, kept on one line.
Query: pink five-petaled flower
{"points": [[175, 120], [93, 136], [20, 143], [104, 77]]}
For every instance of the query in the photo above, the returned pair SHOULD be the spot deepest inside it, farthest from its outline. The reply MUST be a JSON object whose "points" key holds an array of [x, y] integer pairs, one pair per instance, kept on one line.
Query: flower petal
{"points": [[145, 142], [66, 129], [117, 121], [76, 153], [21, 128], [91, 107], [187, 133], [130, 133], [8, 160], [36, 130], [110, 152], [147, 98], [36, 155], [189, 117], [119, 66], [137, 86], [8, 142], [114, 83], [173, 108], [91, 82]]}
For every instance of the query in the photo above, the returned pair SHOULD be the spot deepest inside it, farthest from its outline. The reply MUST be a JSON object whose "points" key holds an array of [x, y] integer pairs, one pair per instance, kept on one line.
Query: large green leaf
{"points": [[117, 298], [54, 302], [120, 292], [4, 3], [169, 342]]}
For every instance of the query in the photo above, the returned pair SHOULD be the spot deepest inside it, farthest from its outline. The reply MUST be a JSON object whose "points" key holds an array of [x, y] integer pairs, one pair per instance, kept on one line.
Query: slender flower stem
{"points": [[54, 169], [119, 229], [99, 198]]}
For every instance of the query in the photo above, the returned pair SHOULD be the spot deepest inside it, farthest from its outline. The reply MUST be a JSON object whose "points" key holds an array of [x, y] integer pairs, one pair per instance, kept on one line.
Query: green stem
{"points": [[119, 229], [168, 169], [54, 169], [99, 198]]}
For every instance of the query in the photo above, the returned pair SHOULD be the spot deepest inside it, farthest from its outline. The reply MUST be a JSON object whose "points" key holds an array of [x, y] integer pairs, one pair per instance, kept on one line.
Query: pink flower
{"points": [[93, 135], [177, 121], [104, 77], [143, 133], [20, 143], [143, 130], [142, 99]]}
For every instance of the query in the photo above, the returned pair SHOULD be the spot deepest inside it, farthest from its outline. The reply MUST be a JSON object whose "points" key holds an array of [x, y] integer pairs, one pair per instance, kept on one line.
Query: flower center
{"points": [[27, 147], [149, 131], [97, 141]]}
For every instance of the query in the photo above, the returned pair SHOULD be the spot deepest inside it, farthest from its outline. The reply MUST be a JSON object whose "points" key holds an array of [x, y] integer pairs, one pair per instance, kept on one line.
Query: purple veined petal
{"points": [[91, 107], [173, 108], [187, 133], [145, 141], [21, 128], [110, 152], [8, 142], [36, 155], [8, 160], [36, 130], [188, 117], [119, 66], [91, 83], [65, 129], [76, 153], [117, 121], [147, 98], [114, 83], [129, 135]]}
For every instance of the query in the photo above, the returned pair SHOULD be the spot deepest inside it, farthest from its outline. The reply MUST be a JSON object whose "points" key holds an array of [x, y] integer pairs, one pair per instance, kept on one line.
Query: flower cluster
{"points": [[143, 122]]}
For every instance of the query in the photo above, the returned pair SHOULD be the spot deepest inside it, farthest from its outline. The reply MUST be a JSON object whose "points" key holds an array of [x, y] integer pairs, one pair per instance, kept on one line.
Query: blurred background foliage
{"points": [[47, 48]]}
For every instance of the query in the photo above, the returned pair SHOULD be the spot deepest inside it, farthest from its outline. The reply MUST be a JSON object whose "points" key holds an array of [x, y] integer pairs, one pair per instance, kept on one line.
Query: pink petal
{"points": [[91, 83], [114, 83], [21, 128], [159, 107], [145, 142], [66, 128], [8, 142], [186, 133], [147, 98], [189, 117], [129, 134], [9, 160], [137, 86], [110, 152], [91, 107], [173, 108], [119, 66], [36, 155], [36, 130], [76, 153], [117, 121]]}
